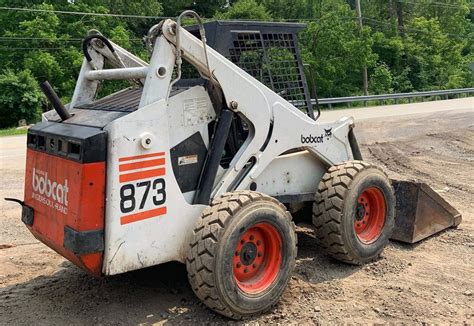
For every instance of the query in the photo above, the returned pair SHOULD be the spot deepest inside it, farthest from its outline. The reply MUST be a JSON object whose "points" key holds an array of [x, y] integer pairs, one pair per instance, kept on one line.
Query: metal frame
{"points": [[286, 78]]}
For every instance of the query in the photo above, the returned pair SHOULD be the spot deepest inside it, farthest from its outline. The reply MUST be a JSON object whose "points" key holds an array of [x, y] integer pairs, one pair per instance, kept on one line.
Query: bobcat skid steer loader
{"points": [[203, 171]]}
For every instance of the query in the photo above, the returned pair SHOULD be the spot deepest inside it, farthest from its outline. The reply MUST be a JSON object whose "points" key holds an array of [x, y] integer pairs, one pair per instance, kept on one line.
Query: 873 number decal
{"points": [[156, 189]]}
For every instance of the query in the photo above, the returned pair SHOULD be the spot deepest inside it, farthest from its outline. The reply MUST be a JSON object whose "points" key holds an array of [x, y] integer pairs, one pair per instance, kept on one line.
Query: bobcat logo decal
{"points": [[328, 133]]}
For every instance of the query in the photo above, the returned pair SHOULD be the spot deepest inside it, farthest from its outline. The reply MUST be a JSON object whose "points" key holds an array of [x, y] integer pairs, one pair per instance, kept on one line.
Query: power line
{"points": [[434, 3], [48, 40], [81, 13], [157, 17], [162, 17], [409, 29], [372, 20], [11, 49], [165, 17], [72, 40], [14, 38], [138, 40]]}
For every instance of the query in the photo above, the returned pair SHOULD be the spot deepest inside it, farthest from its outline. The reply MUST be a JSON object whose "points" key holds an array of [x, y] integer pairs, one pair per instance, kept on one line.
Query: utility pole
{"points": [[401, 27], [365, 76]]}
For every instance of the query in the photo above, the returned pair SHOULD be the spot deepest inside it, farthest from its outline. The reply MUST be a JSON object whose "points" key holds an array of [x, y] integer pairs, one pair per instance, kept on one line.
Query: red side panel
{"points": [[65, 193]]}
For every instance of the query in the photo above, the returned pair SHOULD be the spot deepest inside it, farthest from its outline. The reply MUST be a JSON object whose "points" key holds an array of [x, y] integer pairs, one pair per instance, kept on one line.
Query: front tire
{"points": [[242, 254], [354, 212]]}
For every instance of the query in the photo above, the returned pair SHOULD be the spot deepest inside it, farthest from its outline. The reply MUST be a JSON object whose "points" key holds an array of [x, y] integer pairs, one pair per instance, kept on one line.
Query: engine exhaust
{"points": [[55, 101]]}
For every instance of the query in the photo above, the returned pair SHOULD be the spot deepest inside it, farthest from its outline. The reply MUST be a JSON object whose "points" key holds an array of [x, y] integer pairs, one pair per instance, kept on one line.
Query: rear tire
{"points": [[242, 254], [354, 212]]}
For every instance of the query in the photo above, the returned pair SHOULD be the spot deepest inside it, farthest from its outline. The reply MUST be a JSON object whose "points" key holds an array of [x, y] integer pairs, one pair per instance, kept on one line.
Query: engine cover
{"points": [[65, 188]]}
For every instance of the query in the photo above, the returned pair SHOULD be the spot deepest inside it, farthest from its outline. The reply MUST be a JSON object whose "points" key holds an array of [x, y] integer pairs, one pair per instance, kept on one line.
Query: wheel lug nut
{"points": [[251, 237], [242, 241], [238, 265], [259, 254], [236, 253], [259, 242], [253, 265], [246, 270]]}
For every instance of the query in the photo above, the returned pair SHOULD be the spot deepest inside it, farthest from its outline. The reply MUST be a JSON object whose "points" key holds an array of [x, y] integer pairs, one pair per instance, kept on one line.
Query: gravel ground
{"points": [[428, 282]]}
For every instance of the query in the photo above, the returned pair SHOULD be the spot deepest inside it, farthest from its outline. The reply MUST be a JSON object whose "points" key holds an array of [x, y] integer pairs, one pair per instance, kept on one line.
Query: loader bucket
{"points": [[421, 212]]}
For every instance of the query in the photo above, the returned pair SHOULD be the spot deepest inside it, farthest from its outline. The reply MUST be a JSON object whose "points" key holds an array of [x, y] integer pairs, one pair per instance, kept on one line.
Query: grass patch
{"points": [[13, 131]]}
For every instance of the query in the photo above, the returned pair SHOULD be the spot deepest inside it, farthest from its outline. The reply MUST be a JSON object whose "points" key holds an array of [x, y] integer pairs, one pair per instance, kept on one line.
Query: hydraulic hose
{"points": [[202, 32], [89, 38]]}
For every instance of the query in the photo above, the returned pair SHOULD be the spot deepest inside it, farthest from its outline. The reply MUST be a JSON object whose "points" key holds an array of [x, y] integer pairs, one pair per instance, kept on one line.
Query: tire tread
{"points": [[204, 245], [329, 206]]}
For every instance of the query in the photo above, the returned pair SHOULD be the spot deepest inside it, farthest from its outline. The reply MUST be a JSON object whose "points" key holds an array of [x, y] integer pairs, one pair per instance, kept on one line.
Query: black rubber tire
{"points": [[215, 236], [334, 211]]}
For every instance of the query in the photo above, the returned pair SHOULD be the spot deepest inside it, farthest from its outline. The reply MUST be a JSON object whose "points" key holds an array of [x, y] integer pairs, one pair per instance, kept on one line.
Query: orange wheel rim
{"points": [[369, 215], [257, 258]]}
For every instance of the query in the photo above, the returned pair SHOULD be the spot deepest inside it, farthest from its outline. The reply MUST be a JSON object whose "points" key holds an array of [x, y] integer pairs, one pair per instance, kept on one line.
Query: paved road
{"points": [[12, 166], [12, 151], [463, 104]]}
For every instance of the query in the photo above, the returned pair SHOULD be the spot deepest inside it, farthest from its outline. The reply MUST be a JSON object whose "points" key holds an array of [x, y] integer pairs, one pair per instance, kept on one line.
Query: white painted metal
{"points": [[155, 240], [189, 112], [157, 83], [86, 89], [291, 174], [88, 80], [127, 58]]}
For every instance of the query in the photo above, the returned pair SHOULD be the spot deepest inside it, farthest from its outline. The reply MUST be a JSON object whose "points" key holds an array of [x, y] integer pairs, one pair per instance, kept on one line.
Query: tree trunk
{"points": [[401, 26]]}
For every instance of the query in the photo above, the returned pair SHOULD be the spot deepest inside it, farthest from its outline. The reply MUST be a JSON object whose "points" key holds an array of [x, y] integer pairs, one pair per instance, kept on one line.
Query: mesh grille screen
{"points": [[272, 59]]}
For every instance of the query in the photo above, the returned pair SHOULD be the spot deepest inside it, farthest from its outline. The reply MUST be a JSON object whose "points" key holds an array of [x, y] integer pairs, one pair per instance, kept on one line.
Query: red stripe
{"points": [[143, 215], [141, 164], [130, 158], [142, 175]]}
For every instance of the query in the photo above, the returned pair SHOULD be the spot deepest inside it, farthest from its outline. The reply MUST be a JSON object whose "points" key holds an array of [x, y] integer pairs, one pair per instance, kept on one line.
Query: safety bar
{"points": [[117, 74]]}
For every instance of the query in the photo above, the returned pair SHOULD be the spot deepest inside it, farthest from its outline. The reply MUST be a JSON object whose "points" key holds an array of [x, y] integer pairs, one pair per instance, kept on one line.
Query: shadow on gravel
{"points": [[449, 233], [69, 296], [148, 296], [315, 267]]}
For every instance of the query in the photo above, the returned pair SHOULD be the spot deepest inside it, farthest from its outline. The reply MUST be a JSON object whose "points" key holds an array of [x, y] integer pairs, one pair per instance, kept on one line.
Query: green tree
{"points": [[336, 50], [203, 8], [43, 65], [434, 59], [292, 9], [245, 9], [381, 80], [20, 97]]}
